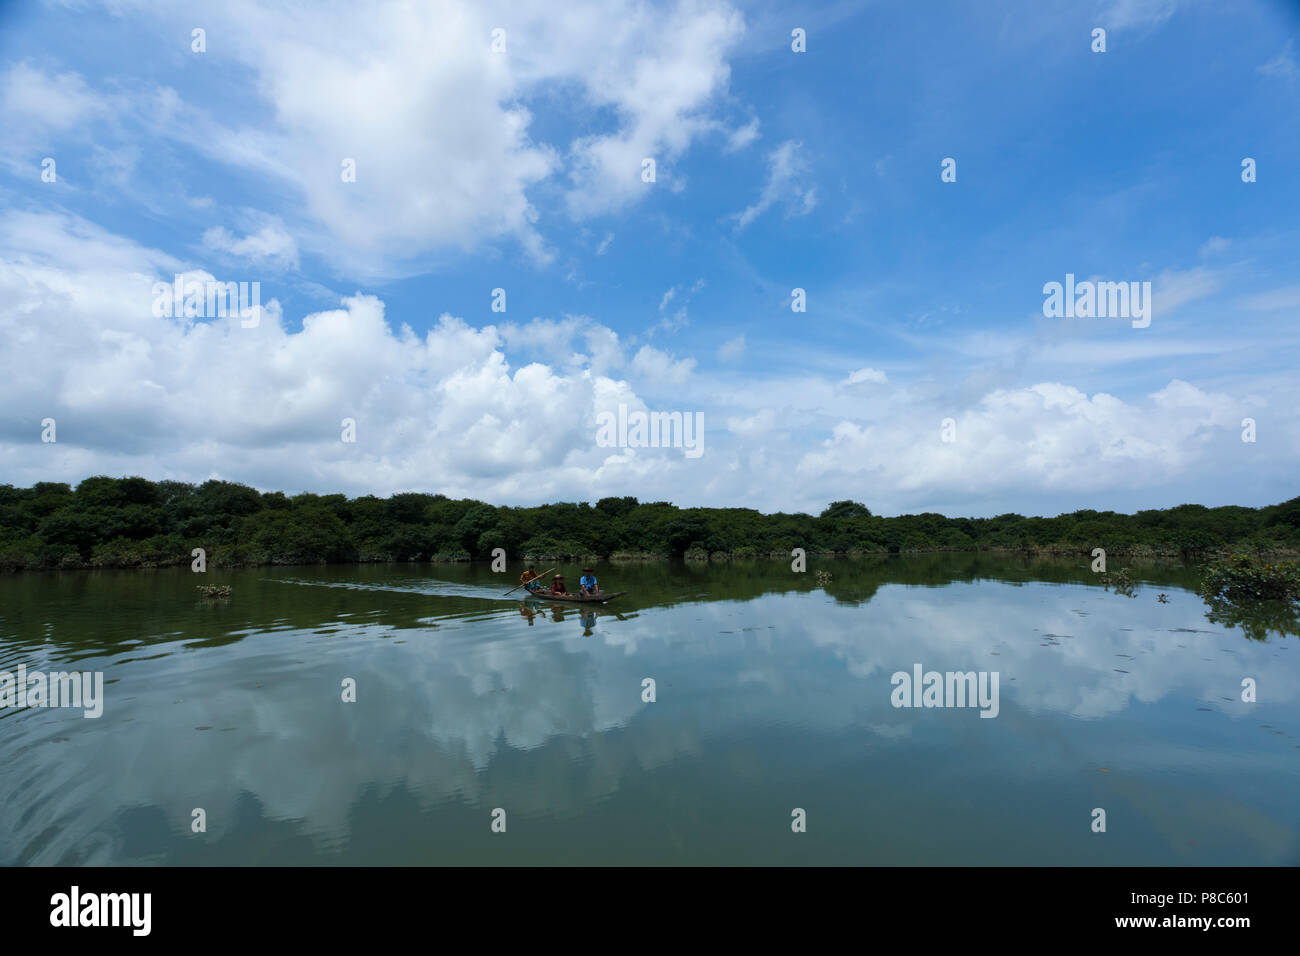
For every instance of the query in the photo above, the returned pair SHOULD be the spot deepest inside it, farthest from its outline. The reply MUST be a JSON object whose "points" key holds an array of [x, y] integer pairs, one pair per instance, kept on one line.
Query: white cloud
{"points": [[660, 368], [38, 109], [732, 349], [457, 410], [1119, 14], [742, 136], [269, 245], [1282, 65], [761, 423], [786, 183], [53, 101], [1285, 298], [135, 393], [575, 342], [1173, 288], [674, 321], [437, 123], [1048, 436], [866, 375], [659, 71], [430, 116]]}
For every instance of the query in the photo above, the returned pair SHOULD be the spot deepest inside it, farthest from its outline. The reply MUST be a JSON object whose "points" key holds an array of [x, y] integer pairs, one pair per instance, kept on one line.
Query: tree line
{"points": [[134, 522]]}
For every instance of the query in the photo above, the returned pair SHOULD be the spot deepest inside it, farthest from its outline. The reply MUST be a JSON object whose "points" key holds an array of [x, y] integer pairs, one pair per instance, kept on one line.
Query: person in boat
{"points": [[557, 585], [587, 583], [528, 577]]}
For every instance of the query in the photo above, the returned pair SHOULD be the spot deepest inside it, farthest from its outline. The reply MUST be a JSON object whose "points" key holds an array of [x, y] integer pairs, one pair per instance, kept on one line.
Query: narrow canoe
{"points": [[575, 598]]}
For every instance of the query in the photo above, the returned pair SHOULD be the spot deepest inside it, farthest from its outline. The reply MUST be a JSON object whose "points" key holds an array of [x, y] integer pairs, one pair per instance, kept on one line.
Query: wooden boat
{"points": [[599, 598]]}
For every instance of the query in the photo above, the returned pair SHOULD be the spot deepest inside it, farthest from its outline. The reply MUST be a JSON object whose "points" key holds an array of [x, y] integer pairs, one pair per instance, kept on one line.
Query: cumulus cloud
{"points": [[456, 409], [574, 342], [437, 123], [659, 72], [431, 119], [661, 368], [1047, 436], [192, 397], [762, 422]]}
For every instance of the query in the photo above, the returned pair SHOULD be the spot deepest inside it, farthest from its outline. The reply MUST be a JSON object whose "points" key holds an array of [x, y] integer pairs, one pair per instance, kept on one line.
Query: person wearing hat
{"points": [[557, 585], [587, 583]]}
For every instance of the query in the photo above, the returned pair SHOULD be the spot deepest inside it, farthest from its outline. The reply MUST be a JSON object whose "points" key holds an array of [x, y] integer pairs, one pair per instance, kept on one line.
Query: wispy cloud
{"points": [[866, 375], [742, 136], [1119, 14], [674, 319], [269, 245], [1174, 288], [787, 183], [1215, 245], [1283, 65], [732, 349], [1287, 298]]}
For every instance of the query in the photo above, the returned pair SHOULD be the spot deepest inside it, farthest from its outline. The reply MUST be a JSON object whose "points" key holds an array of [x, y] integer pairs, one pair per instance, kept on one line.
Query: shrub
{"points": [[1121, 581], [1244, 577]]}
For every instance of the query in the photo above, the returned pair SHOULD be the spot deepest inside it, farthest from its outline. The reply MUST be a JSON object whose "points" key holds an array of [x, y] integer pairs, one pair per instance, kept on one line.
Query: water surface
{"points": [[772, 693]]}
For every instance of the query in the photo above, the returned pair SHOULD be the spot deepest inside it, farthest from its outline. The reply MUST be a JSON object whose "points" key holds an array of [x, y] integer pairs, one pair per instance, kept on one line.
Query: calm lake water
{"points": [[772, 693]]}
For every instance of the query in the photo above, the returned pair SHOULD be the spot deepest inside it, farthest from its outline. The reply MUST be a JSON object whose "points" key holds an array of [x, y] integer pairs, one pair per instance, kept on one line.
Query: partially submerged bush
{"points": [[1244, 577], [1121, 581]]}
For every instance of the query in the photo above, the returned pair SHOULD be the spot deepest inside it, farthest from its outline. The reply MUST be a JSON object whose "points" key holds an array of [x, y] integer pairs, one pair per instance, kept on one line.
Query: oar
{"points": [[538, 578]]}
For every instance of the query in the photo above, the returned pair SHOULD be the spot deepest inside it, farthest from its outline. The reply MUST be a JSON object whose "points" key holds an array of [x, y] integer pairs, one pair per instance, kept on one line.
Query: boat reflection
{"points": [[531, 608]]}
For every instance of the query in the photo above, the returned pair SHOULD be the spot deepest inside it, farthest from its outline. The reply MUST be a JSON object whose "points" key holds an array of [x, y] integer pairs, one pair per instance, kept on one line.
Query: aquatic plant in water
{"points": [[1121, 581], [1245, 578], [1258, 596]]}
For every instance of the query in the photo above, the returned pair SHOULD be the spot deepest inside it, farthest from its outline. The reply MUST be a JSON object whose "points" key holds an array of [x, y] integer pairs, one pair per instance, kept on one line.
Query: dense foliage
{"points": [[132, 522], [1259, 596], [1244, 577]]}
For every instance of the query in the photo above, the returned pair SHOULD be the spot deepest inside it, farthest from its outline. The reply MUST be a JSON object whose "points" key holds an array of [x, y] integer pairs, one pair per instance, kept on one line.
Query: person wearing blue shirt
{"points": [[587, 583]]}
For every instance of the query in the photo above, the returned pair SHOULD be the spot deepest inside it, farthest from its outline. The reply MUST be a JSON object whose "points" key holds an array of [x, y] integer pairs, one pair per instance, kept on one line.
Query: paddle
{"points": [[538, 578]]}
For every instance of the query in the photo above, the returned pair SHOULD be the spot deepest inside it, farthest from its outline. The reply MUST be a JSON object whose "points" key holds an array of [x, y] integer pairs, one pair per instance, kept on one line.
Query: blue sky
{"points": [[521, 170]]}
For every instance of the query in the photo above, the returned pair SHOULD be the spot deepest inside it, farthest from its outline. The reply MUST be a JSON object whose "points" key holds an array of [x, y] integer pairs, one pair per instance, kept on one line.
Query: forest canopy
{"points": [[133, 522]]}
